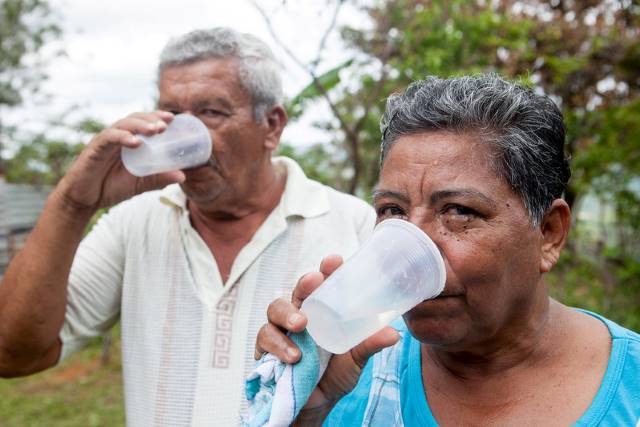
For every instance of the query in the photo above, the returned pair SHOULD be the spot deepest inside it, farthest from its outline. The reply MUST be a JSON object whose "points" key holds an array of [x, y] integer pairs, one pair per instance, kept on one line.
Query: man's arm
{"points": [[33, 293]]}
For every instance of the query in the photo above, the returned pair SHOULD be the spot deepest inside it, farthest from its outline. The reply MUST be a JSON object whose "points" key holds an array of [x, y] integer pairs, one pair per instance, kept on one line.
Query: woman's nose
{"points": [[424, 221], [427, 224]]}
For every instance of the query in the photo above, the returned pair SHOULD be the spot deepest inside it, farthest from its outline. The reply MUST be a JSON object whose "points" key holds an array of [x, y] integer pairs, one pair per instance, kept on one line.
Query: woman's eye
{"points": [[390, 211]]}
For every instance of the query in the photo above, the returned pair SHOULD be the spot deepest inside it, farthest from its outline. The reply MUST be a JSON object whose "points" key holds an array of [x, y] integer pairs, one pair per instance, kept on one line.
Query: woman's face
{"points": [[442, 182]]}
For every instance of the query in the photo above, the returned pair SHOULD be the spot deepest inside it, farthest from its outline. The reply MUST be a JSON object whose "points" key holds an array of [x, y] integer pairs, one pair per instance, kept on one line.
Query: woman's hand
{"points": [[343, 370]]}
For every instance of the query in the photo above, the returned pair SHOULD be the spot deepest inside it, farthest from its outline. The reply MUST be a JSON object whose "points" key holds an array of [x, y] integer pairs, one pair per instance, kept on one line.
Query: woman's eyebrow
{"points": [[460, 192]]}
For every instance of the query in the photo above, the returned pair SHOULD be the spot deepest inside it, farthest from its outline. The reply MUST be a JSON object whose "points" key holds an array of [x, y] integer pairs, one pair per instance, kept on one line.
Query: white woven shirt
{"points": [[188, 338]]}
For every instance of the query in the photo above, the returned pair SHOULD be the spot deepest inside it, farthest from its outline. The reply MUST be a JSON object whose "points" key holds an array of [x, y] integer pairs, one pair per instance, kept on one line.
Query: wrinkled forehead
{"points": [[440, 159], [434, 147], [202, 81], [210, 72]]}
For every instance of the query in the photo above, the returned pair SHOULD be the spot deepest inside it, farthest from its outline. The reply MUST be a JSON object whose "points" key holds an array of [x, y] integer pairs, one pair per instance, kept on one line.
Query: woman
{"points": [[478, 164]]}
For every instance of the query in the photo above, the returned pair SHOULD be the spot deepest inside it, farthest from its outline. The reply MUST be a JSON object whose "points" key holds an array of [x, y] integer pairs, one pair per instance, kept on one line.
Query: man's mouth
{"points": [[444, 296], [210, 163]]}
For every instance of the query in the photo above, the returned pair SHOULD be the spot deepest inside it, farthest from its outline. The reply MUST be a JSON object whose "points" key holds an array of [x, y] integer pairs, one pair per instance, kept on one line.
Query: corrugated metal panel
{"points": [[20, 207], [24, 205], [4, 255]]}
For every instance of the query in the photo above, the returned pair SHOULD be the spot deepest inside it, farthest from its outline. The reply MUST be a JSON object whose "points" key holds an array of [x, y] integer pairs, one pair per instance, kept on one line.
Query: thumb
{"points": [[385, 337]]}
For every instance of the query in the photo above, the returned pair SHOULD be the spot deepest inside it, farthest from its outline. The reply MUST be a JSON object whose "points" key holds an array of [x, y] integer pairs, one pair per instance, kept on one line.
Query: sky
{"points": [[111, 50]]}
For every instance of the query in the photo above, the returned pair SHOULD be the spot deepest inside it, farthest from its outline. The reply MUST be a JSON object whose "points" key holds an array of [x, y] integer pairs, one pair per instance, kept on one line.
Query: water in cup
{"points": [[396, 268], [185, 143], [332, 327]]}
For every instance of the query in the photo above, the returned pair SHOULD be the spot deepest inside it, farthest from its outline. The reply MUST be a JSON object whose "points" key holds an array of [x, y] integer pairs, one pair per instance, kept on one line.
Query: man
{"points": [[190, 269]]}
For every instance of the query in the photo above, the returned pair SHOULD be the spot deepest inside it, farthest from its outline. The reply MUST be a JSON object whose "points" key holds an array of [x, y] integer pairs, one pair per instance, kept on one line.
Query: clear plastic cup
{"points": [[397, 268], [185, 143]]}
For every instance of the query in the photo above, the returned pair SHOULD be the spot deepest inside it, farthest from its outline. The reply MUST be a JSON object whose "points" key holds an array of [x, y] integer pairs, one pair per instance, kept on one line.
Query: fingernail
{"points": [[295, 319], [292, 352], [160, 124]]}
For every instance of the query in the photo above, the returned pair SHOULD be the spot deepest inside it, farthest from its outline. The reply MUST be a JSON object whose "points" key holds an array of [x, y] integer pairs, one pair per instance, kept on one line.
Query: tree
{"points": [[350, 124], [584, 54], [41, 162], [25, 27], [44, 161]]}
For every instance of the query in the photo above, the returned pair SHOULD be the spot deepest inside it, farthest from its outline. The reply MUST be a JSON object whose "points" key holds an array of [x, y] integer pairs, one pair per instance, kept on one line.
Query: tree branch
{"points": [[325, 36], [309, 70]]}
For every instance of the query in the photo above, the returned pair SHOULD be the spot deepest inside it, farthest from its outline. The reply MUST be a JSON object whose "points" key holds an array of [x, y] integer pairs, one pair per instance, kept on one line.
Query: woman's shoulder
{"points": [[618, 398], [616, 331]]}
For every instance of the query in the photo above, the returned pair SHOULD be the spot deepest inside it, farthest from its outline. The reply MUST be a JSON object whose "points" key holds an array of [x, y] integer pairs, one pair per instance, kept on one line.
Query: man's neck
{"points": [[226, 231], [243, 211], [250, 200]]}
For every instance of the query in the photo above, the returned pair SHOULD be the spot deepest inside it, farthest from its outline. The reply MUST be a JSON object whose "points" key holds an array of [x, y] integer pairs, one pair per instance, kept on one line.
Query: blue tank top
{"points": [[390, 390]]}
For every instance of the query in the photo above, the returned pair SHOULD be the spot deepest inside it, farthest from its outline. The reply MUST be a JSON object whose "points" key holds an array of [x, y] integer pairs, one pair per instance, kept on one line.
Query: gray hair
{"points": [[526, 130], [259, 71]]}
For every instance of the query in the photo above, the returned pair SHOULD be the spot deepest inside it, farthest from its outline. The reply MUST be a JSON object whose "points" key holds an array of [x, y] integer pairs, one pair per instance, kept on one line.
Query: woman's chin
{"points": [[437, 321]]}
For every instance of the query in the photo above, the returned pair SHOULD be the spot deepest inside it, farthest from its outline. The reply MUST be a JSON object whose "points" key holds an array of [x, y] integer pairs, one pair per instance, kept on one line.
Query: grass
{"points": [[79, 392]]}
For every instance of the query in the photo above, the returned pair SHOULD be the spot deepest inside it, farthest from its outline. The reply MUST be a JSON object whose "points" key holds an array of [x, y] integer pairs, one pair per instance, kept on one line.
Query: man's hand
{"points": [[98, 178], [344, 369]]}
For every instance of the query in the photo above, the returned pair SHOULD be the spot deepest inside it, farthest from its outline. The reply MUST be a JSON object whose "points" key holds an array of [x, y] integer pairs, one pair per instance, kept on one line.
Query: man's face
{"points": [[211, 90], [442, 182]]}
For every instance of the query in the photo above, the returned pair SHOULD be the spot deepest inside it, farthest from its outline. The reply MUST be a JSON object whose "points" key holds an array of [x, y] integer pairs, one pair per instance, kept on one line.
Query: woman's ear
{"points": [[276, 119], [554, 229]]}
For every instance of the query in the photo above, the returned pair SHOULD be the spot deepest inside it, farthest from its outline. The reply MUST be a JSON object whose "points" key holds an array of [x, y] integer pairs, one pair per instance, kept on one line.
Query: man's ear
{"points": [[276, 119], [554, 229]]}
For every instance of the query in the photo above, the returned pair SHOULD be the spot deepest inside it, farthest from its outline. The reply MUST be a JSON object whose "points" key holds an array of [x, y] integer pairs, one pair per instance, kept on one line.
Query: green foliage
{"points": [[41, 162], [314, 160], [316, 89], [89, 125], [586, 55], [605, 283], [25, 26], [80, 392]]}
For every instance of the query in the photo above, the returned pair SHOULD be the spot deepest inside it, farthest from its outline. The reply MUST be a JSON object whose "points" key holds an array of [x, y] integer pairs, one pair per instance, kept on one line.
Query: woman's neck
{"points": [[528, 339]]}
